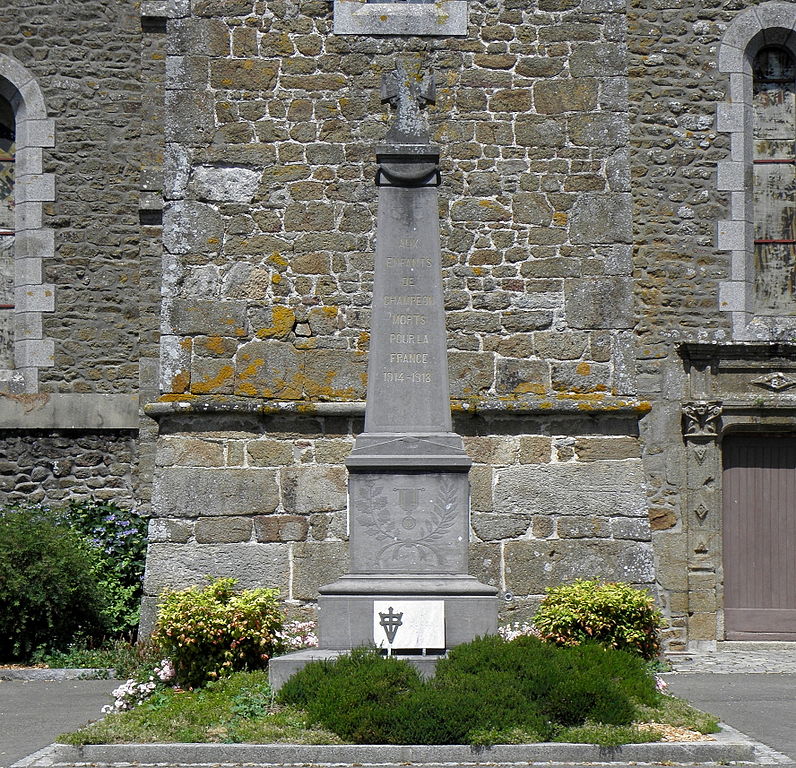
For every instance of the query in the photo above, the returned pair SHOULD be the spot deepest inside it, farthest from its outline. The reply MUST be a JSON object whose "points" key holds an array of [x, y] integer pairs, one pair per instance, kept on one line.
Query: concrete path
{"points": [[33, 713], [762, 706]]}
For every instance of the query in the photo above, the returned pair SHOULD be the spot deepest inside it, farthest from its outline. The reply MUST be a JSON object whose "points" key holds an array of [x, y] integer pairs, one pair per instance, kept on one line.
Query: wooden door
{"points": [[759, 522]]}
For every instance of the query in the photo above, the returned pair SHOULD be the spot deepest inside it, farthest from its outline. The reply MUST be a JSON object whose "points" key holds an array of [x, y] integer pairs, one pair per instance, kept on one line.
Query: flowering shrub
{"points": [[116, 539], [213, 631], [119, 537], [133, 693], [296, 635], [613, 614], [517, 629]]}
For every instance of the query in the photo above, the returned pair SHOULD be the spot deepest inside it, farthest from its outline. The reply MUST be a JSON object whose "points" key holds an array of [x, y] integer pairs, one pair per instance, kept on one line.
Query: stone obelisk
{"points": [[408, 588]]}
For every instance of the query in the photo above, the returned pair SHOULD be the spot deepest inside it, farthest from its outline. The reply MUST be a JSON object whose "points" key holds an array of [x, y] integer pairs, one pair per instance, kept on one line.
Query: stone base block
{"points": [[282, 668], [346, 607]]}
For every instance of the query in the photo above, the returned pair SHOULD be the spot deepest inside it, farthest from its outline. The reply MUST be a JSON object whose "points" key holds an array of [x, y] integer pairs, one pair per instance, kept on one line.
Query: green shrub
{"points": [[49, 592], [355, 695], [488, 689], [213, 631], [566, 685], [119, 536], [613, 614]]}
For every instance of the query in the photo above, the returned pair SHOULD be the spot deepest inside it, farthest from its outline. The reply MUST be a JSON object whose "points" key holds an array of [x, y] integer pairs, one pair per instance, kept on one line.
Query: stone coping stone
{"points": [[35, 673], [525, 405], [69, 410], [730, 746]]}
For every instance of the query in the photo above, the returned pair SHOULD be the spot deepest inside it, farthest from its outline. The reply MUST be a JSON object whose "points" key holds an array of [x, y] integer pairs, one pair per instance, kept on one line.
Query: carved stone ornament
{"points": [[776, 381], [701, 512], [700, 451], [702, 418]]}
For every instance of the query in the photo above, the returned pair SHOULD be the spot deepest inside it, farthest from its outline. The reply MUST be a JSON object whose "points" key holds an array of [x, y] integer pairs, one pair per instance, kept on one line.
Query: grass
{"points": [[126, 658], [241, 709], [238, 709], [674, 711]]}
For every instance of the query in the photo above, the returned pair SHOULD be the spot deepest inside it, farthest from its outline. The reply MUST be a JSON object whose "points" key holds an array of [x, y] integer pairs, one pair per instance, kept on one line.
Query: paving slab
{"points": [[33, 713], [730, 658], [762, 705]]}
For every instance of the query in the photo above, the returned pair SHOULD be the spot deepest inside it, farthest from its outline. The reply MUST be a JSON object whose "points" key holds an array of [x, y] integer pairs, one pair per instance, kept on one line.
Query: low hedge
{"points": [[487, 686]]}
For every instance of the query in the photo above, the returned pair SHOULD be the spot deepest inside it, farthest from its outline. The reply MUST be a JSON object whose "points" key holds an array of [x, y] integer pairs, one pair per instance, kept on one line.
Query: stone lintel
{"points": [[69, 411]]}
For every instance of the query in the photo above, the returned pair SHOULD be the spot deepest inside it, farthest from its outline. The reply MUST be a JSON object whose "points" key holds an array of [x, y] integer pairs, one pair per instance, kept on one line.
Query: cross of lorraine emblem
{"points": [[390, 622]]}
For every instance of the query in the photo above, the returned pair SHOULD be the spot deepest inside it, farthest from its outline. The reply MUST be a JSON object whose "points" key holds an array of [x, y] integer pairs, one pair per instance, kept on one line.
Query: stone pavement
{"points": [[34, 712], [739, 658]]}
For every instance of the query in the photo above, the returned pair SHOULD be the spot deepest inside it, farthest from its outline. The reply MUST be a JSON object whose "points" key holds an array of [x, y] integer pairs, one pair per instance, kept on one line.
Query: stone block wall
{"points": [[676, 148], [264, 499], [271, 128], [99, 72], [86, 60], [53, 467]]}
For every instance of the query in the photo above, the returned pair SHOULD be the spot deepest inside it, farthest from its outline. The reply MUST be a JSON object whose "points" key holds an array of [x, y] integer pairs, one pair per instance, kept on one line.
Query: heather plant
{"points": [[615, 615], [296, 635], [213, 631], [135, 691], [518, 629], [488, 689]]}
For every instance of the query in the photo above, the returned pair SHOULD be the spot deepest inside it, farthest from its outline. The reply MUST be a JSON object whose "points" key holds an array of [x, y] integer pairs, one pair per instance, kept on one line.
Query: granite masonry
{"points": [[610, 342]]}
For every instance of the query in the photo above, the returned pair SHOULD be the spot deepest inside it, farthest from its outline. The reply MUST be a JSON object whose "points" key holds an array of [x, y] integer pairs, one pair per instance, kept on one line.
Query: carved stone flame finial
{"points": [[408, 91]]}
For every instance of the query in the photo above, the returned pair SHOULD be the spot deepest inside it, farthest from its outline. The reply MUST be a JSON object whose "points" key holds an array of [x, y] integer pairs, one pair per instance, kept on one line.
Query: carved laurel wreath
{"points": [[383, 525]]}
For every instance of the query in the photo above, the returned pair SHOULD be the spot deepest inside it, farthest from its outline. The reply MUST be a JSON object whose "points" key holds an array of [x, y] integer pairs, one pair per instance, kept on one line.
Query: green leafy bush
{"points": [[49, 592], [126, 658], [119, 536], [117, 540], [355, 696], [613, 614], [487, 689], [213, 631]]}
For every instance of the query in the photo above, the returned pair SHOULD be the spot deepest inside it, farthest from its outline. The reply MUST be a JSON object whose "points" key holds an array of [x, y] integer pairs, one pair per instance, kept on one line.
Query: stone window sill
{"points": [[445, 18]]}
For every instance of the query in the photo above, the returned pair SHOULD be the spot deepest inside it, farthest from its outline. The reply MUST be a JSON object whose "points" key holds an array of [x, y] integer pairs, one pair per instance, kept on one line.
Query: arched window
{"points": [[758, 56], [7, 145], [774, 181], [25, 244]]}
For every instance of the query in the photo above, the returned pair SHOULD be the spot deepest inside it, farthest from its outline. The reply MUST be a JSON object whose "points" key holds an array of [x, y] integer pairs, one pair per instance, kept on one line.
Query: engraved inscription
{"points": [[409, 301], [409, 357], [415, 377], [409, 262], [407, 319], [408, 338]]}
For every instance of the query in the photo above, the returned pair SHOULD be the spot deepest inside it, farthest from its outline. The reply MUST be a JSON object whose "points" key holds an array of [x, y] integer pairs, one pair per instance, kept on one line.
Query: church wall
{"points": [[683, 262], [271, 126], [100, 273]]}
